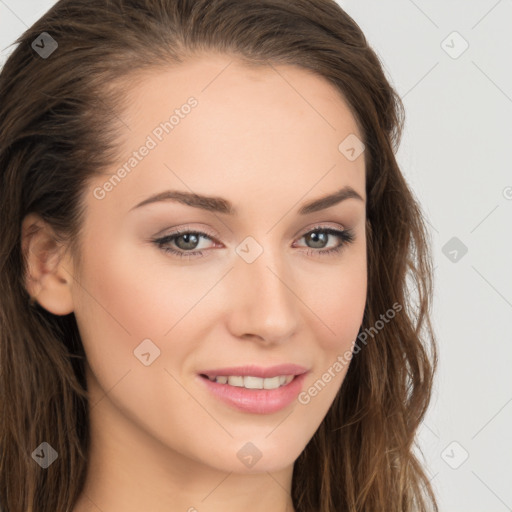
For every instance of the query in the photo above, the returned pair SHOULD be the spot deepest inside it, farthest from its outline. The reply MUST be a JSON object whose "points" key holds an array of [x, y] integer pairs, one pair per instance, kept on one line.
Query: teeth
{"points": [[236, 381], [250, 382], [272, 383]]}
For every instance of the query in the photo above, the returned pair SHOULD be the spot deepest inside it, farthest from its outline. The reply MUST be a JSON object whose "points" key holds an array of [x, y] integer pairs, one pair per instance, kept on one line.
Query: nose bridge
{"points": [[264, 304]]}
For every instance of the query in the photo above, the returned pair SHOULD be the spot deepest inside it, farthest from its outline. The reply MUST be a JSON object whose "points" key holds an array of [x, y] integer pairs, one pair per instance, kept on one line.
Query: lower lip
{"points": [[256, 401]]}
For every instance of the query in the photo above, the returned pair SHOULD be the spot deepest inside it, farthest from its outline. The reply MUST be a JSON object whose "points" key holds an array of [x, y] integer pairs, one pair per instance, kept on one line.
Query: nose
{"points": [[263, 304]]}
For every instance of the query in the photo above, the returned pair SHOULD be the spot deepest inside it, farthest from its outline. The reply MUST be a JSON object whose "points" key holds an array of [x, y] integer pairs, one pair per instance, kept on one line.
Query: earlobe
{"points": [[48, 276]]}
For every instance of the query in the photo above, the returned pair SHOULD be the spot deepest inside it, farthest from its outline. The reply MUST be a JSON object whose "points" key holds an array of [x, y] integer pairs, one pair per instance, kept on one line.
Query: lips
{"points": [[255, 398]]}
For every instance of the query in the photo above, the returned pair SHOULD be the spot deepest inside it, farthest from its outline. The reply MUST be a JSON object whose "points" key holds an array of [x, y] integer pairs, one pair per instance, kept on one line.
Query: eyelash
{"points": [[347, 237]]}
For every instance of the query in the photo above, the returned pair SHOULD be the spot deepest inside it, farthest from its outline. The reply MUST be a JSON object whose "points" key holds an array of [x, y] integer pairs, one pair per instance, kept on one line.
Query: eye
{"points": [[320, 236], [185, 241], [188, 241]]}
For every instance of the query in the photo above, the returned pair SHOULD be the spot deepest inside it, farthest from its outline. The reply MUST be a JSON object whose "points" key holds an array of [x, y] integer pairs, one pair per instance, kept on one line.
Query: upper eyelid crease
{"points": [[223, 206]]}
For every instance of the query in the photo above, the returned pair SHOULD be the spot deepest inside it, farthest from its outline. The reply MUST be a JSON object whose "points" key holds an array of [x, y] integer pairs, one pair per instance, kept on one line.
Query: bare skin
{"points": [[160, 440]]}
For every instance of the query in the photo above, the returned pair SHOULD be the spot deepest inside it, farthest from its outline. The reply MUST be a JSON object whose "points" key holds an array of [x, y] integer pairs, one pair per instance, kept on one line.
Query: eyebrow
{"points": [[221, 205]]}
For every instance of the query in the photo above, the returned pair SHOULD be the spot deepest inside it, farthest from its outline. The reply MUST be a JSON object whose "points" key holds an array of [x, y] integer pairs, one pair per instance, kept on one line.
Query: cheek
{"points": [[340, 304], [344, 308], [134, 295], [341, 308], [116, 309]]}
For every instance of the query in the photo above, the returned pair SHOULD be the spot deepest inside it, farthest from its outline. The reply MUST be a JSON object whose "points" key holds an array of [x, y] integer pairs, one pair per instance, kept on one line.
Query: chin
{"points": [[261, 455]]}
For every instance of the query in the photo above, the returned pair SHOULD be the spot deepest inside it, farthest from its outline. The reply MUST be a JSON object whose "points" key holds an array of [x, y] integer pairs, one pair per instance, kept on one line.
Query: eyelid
{"points": [[188, 229], [215, 236], [320, 225]]}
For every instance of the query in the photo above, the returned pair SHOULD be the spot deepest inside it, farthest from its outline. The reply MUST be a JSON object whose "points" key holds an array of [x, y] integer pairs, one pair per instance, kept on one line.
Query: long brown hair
{"points": [[59, 117]]}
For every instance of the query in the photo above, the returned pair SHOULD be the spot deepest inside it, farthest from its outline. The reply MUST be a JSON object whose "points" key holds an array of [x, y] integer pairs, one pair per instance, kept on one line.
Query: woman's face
{"points": [[253, 285]]}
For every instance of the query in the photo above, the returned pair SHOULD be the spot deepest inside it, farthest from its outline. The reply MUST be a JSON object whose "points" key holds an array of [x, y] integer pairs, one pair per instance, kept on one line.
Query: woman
{"points": [[205, 245]]}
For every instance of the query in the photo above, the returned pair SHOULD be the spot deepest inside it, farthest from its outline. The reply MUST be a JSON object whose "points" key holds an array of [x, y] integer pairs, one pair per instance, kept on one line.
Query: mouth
{"points": [[253, 389]]}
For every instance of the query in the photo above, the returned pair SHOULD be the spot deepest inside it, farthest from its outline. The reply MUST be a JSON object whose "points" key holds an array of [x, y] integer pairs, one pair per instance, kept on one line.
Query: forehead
{"points": [[274, 129], [220, 82]]}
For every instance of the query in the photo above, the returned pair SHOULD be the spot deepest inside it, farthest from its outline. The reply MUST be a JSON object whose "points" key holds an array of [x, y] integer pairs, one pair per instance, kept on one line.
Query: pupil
{"points": [[317, 238], [187, 238]]}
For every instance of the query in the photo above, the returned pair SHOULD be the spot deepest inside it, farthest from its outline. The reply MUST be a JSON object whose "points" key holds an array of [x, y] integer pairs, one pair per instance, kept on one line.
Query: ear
{"points": [[48, 276]]}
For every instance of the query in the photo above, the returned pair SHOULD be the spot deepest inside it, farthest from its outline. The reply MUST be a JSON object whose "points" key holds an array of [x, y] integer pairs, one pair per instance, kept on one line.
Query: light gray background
{"points": [[456, 154]]}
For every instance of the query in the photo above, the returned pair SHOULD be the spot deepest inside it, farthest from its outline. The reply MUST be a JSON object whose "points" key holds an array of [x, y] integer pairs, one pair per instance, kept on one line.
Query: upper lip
{"points": [[256, 371]]}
